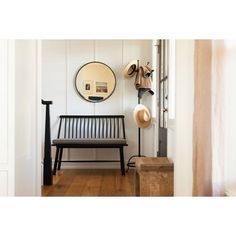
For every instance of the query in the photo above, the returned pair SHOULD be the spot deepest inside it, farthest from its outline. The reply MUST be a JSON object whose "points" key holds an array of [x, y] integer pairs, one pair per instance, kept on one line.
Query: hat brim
{"points": [[141, 124], [130, 69]]}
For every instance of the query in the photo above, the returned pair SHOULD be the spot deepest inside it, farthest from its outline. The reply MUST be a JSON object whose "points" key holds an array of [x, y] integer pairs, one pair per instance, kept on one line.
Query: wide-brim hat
{"points": [[130, 69], [142, 116]]}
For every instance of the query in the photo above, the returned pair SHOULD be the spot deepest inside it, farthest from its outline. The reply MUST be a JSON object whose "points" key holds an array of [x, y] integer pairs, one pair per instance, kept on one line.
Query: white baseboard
{"points": [[79, 165]]}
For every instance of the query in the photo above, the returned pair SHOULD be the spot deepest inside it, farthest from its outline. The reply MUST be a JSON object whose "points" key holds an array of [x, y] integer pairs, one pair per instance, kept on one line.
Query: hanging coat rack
{"points": [[131, 163]]}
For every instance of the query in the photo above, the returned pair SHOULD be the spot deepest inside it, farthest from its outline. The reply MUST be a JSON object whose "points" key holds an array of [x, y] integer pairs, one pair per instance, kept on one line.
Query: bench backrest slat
{"points": [[59, 130], [65, 121], [117, 127], [123, 125], [69, 128], [76, 128], [81, 127]]}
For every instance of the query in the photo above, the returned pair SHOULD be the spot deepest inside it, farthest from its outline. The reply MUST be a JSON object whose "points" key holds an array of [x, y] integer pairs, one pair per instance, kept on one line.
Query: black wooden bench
{"points": [[90, 131]]}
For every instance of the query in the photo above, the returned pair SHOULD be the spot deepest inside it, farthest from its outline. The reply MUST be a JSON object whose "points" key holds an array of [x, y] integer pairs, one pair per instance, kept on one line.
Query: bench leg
{"points": [[122, 162], [60, 159], [56, 161]]}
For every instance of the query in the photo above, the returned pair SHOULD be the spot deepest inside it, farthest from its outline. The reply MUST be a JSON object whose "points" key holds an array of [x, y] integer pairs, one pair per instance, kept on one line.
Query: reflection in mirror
{"points": [[95, 81]]}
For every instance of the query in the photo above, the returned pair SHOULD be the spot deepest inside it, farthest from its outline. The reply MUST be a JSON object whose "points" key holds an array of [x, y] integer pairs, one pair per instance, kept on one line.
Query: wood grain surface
{"points": [[91, 183]]}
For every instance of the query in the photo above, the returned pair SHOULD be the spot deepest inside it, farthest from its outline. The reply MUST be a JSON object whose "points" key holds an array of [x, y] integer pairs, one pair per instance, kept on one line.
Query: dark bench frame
{"points": [[107, 131]]}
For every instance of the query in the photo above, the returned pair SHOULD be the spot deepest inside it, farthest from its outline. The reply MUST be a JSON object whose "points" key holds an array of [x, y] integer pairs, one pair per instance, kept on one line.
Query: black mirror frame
{"points": [[94, 101]]}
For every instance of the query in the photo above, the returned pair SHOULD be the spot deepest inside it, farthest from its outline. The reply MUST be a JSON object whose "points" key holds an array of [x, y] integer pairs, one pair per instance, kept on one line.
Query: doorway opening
{"points": [[60, 62]]}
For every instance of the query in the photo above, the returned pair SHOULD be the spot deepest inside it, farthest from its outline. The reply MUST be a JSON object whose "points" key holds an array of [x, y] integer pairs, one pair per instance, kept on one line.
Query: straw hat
{"points": [[130, 69], [142, 116]]}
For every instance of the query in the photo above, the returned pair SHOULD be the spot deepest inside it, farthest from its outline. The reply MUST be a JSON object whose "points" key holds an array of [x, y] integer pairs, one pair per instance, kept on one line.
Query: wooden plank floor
{"points": [[91, 183]]}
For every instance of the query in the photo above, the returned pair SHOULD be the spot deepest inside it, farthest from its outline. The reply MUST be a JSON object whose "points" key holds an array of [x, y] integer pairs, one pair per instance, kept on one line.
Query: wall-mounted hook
{"points": [[137, 68]]}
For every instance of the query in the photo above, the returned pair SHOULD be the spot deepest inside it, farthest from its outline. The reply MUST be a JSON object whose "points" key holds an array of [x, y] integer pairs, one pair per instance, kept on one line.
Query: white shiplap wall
{"points": [[61, 59]]}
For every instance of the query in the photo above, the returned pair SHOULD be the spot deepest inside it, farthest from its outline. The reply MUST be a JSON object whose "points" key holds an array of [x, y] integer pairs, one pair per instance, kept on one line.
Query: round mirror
{"points": [[95, 81]]}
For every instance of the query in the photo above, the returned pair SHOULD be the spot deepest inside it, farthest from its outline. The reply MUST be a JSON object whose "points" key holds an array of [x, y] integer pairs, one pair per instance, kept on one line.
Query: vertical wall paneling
{"points": [[184, 117], [123, 84], [7, 118], [26, 99], [39, 132], [66, 151], [11, 118], [3, 101], [59, 66], [54, 82], [3, 119]]}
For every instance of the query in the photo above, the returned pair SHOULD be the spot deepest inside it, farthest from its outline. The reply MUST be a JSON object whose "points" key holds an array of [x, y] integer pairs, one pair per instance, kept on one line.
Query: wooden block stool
{"points": [[154, 176]]}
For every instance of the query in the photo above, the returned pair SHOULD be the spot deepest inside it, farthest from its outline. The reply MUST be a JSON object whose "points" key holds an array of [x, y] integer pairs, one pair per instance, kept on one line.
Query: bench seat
{"points": [[90, 141]]}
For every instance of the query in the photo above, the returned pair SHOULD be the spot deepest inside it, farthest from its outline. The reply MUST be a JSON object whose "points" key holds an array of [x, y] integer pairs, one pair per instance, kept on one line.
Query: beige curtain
{"points": [[209, 132], [202, 146]]}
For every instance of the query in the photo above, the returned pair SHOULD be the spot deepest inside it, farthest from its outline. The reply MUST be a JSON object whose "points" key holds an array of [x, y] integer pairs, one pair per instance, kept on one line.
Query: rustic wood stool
{"points": [[154, 176]]}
